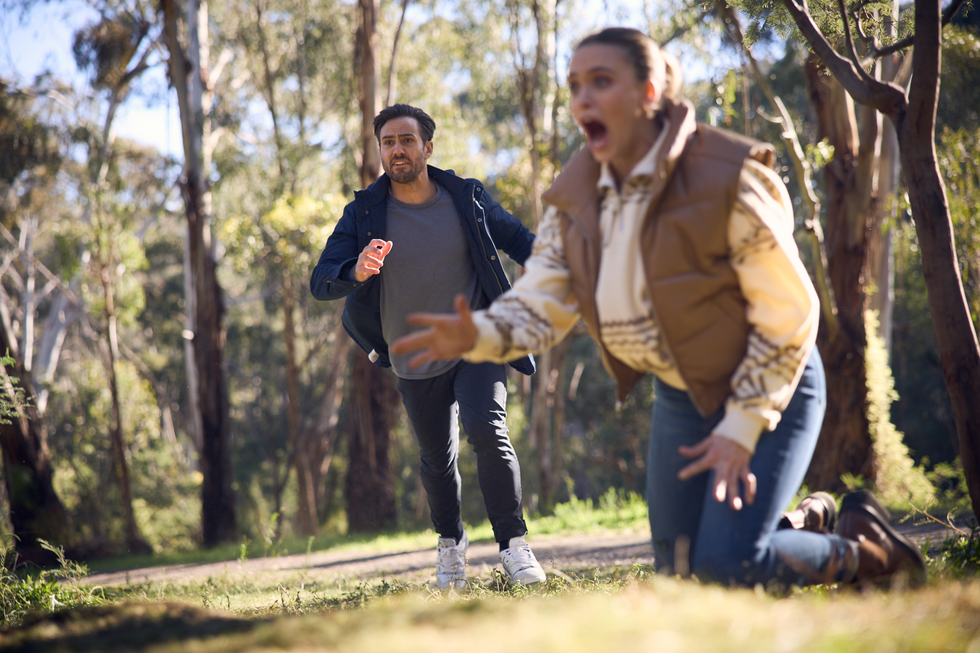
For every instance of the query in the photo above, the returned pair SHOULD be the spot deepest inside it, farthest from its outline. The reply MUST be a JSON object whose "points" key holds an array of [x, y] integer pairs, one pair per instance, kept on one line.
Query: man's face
{"points": [[403, 155]]}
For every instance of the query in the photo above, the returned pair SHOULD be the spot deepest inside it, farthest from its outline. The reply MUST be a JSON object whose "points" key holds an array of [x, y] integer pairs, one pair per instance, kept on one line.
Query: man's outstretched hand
{"points": [[371, 258], [448, 336]]}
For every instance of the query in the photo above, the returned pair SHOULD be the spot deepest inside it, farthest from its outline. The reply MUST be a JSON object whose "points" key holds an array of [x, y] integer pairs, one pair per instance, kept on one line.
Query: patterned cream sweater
{"points": [[782, 306]]}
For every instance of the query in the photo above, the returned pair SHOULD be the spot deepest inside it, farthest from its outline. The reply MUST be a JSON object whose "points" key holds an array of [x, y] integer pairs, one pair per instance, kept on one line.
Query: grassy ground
{"points": [[613, 609], [636, 612]]}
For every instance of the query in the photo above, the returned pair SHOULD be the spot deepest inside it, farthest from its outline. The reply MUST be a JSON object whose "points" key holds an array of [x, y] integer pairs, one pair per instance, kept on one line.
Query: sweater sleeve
{"points": [[782, 306], [538, 311]]}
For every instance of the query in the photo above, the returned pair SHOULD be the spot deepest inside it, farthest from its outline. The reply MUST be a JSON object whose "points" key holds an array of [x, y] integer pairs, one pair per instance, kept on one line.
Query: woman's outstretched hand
{"points": [[730, 462], [448, 336]]}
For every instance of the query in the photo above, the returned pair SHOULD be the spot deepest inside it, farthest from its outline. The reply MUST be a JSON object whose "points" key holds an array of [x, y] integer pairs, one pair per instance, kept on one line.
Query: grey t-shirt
{"points": [[428, 265]]}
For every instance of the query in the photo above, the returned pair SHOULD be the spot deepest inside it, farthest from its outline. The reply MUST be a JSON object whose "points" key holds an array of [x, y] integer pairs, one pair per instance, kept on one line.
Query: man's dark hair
{"points": [[427, 125]]}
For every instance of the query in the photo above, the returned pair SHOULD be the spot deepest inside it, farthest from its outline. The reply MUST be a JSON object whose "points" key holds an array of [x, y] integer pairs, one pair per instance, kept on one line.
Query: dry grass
{"points": [[650, 614]]}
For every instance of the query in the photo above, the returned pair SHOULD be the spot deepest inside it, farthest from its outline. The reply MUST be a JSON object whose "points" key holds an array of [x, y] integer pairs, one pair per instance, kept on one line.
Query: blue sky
{"points": [[43, 43]]}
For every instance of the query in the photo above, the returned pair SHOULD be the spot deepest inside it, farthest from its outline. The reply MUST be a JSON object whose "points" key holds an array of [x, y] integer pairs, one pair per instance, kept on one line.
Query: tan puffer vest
{"points": [[693, 287]]}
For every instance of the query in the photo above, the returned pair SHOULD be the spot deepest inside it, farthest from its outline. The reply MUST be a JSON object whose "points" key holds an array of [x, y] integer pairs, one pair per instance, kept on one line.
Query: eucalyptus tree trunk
{"points": [[319, 439], [881, 255], [307, 522], [373, 398], [539, 119], [134, 541], [845, 444], [368, 68], [391, 87], [204, 301], [370, 487]]}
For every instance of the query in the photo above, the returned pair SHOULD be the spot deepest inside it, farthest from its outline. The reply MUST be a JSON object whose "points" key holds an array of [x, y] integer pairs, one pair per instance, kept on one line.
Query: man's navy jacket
{"points": [[487, 227]]}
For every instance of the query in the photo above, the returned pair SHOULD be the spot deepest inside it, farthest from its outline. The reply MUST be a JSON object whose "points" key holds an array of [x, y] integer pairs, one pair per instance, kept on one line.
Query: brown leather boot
{"points": [[883, 553], [816, 513]]}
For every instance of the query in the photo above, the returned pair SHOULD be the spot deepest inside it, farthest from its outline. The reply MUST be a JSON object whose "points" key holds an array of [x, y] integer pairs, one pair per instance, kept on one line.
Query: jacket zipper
{"points": [[500, 287]]}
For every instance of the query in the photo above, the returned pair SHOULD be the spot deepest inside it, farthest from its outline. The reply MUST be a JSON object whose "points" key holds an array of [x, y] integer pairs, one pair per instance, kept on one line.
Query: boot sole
{"points": [[867, 503]]}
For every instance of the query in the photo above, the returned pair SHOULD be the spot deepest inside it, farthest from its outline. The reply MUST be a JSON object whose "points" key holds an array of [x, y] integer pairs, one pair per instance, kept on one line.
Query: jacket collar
{"points": [[576, 187], [377, 192]]}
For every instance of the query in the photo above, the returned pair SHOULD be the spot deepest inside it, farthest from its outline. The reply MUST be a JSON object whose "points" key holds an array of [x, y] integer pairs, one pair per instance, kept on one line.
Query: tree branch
{"points": [[883, 96], [926, 66], [394, 54], [948, 14], [855, 59]]}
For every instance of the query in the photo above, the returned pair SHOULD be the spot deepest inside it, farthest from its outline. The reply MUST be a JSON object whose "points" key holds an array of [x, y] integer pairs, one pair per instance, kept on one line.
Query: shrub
{"points": [[25, 593], [900, 481]]}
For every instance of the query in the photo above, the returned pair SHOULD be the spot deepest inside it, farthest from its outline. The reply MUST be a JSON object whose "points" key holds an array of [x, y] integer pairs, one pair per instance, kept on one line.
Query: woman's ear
{"points": [[651, 97]]}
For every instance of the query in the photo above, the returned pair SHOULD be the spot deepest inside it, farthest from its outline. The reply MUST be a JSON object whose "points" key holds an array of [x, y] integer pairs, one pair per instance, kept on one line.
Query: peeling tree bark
{"points": [[845, 444]]}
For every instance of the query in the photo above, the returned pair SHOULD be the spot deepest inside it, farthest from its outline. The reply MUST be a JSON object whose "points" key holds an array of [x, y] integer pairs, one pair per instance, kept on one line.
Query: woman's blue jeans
{"points": [[692, 532]]}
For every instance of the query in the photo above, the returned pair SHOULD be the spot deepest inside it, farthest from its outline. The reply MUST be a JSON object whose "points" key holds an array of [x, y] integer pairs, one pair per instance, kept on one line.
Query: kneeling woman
{"points": [[673, 241]]}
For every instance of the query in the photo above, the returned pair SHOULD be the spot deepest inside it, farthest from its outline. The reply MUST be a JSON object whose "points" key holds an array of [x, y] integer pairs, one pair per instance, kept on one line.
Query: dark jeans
{"points": [[692, 531], [476, 394]]}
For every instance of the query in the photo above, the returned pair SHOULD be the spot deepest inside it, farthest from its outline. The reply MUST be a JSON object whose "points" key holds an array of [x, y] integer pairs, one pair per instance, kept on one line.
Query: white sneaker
{"points": [[520, 564], [451, 563]]}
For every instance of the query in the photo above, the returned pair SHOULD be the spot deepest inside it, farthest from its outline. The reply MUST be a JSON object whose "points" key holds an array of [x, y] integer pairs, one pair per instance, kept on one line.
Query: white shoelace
{"points": [[451, 560], [518, 558]]}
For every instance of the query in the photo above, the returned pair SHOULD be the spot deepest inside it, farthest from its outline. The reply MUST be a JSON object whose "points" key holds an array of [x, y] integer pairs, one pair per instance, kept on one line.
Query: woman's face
{"points": [[611, 106]]}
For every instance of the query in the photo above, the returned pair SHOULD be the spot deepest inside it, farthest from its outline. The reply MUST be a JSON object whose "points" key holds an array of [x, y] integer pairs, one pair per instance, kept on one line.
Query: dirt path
{"points": [[565, 553], [577, 553]]}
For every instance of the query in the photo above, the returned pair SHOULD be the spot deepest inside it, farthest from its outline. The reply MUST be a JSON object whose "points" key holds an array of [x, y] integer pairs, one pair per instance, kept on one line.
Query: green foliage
{"points": [[166, 502], [25, 139], [923, 411], [952, 492], [43, 591], [107, 46], [287, 236], [772, 17], [727, 94], [899, 481], [957, 153], [959, 554], [820, 154], [616, 510], [958, 109], [604, 448], [10, 406]]}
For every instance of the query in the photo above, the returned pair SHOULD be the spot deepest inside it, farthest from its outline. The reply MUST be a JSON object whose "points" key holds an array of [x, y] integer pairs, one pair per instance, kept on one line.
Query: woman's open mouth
{"points": [[595, 133]]}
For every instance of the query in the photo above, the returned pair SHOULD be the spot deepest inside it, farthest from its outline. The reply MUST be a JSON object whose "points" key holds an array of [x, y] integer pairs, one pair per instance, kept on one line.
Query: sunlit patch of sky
{"points": [[41, 42]]}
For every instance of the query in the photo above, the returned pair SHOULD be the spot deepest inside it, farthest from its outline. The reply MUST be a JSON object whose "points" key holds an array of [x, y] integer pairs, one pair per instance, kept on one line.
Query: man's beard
{"points": [[405, 175]]}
